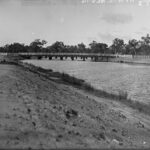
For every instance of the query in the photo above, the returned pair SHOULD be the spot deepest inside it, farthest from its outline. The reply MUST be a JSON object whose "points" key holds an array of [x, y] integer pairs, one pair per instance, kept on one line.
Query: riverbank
{"points": [[43, 111], [81, 84], [132, 60]]}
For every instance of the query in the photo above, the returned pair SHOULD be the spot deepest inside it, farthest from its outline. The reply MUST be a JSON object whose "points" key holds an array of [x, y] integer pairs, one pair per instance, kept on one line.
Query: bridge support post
{"points": [[61, 58], [39, 57], [50, 58], [72, 58], [28, 57], [83, 58], [95, 58], [107, 59]]}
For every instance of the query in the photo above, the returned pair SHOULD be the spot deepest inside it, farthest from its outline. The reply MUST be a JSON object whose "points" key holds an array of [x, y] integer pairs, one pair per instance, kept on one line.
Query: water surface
{"points": [[111, 77]]}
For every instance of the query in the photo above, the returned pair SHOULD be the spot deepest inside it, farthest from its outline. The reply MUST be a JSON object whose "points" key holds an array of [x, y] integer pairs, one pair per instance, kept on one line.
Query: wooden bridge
{"points": [[62, 56]]}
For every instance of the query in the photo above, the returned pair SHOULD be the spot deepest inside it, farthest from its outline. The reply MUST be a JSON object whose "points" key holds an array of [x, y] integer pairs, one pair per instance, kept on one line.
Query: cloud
{"points": [[49, 2], [115, 18], [142, 31], [106, 36]]}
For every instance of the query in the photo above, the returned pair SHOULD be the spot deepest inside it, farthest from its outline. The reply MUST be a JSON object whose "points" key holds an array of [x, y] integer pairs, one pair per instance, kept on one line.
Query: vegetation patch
{"points": [[81, 84]]}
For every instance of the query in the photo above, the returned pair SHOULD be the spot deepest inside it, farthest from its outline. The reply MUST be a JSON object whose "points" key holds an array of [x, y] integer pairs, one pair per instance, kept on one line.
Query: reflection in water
{"points": [[111, 77]]}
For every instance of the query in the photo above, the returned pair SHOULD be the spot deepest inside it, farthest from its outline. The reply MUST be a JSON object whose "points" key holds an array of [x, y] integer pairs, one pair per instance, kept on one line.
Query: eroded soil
{"points": [[38, 113]]}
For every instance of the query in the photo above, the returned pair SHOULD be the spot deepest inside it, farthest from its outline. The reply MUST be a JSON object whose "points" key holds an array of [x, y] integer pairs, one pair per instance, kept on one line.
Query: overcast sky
{"points": [[73, 21]]}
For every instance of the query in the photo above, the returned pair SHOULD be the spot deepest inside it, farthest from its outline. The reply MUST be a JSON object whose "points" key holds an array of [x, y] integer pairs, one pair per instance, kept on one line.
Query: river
{"points": [[111, 77]]}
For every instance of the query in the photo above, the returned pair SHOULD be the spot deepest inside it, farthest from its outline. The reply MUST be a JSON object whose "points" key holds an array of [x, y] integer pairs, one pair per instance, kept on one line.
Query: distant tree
{"points": [[81, 48], [37, 45], [132, 47], [15, 48], [118, 46], [72, 49], [98, 47], [57, 47], [2, 50], [146, 39], [145, 45]]}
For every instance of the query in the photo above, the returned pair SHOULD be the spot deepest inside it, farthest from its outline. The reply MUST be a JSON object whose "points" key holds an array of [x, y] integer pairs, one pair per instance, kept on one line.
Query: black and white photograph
{"points": [[74, 74]]}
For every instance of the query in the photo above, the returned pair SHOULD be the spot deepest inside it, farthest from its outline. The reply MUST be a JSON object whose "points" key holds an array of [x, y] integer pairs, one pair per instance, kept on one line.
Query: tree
{"points": [[81, 48], [132, 47], [37, 45], [145, 45], [15, 48], [146, 40], [57, 47], [118, 46], [98, 47]]}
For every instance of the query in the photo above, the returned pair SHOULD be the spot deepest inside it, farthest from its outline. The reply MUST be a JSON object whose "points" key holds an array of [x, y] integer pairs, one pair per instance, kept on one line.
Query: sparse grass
{"points": [[81, 84], [72, 80]]}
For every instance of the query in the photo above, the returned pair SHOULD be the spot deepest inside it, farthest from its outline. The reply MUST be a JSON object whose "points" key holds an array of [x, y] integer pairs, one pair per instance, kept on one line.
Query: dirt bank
{"points": [[39, 113]]}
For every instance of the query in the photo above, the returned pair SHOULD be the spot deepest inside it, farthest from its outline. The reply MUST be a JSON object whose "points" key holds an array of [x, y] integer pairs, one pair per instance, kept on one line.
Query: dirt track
{"points": [[39, 113]]}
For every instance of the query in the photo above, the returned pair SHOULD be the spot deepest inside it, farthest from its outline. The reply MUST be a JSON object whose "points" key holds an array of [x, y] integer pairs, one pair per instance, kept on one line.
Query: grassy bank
{"points": [[81, 84]]}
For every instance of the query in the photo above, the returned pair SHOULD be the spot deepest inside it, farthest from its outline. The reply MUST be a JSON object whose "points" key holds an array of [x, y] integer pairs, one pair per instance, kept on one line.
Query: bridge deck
{"points": [[67, 54]]}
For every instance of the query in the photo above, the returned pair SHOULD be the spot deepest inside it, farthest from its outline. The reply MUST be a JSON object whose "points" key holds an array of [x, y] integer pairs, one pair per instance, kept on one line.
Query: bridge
{"points": [[62, 56]]}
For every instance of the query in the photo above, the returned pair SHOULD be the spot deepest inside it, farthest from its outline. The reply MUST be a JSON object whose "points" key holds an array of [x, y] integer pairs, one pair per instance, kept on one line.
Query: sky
{"points": [[73, 21]]}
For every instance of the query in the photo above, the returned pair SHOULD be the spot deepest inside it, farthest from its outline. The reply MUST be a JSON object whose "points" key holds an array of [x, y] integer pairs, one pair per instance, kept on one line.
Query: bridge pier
{"points": [[96, 58], [39, 57], [61, 58], [72, 58], [28, 57], [107, 59], [50, 58]]}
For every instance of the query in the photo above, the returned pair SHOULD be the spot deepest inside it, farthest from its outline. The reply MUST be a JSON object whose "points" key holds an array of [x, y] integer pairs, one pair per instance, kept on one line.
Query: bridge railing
{"points": [[65, 54]]}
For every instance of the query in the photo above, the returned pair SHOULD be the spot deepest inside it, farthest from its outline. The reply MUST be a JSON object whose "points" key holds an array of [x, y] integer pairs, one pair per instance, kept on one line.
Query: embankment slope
{"points": [[39, 113]]}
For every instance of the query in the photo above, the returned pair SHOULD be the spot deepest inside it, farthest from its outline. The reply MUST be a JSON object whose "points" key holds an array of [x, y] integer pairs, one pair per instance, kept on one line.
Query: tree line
{"points": [[118, 46]]}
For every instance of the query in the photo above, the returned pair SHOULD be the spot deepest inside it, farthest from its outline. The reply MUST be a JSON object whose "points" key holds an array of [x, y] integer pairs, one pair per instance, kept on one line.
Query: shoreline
{"points": [[65, 78], [42, 109]]}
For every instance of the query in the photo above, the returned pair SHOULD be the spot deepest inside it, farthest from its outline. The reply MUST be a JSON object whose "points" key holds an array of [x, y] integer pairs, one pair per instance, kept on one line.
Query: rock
{"points": [[124, 132], [100, 136], [115, 141], [7, 116], [65, 121], [74, 133], [17, 138], [59, 137], [54, 107], [120, 143], [114, 130], [102, 127], [74, 124], [34, 124], [140, 125], [122, 116], [45, 115], [29, 110], [144, 142], [71, 113]]}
